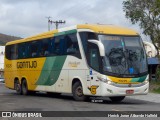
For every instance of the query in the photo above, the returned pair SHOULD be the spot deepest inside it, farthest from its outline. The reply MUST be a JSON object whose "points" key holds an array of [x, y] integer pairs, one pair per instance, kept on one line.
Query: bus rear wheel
{"points": [[77, 92], [24, 87], [18, 87], [117, 99]]}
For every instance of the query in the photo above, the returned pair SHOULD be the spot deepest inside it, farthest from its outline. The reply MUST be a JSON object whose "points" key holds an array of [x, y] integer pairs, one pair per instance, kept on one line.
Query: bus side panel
{"points": [[62, 82], [9, 82], [76, 71], [78, 75], [29, 69], [51, 74], [9, 73]]}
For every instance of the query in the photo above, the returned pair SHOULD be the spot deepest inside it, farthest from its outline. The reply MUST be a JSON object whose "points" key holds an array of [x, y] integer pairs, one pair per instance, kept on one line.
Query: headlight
{"points": [[110, 82], [146, 81], [102, 78]]}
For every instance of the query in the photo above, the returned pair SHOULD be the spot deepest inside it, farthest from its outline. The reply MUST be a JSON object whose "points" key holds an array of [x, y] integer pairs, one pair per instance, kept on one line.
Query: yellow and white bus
{"points": [[85, 60]]}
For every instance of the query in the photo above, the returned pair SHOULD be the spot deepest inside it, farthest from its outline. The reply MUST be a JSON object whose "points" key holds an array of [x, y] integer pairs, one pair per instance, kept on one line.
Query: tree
{"points": [[147, 14]]}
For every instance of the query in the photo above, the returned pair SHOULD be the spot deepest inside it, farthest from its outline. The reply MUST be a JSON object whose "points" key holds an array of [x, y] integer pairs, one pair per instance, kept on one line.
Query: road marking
{"points": [[126, 112], [115, 110], [2, 94], [11, 103], [5, 118]]}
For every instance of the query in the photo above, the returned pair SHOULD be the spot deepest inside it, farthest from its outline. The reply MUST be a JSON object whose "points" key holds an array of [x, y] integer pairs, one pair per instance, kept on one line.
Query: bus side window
{"points": [[72, 46], [14, 52], [27, 50], [85, 36], [65, 45], [58, 45], [8, 52], [52, 46], [21, 51], [34, 48], [45, 45], [69, 45]]}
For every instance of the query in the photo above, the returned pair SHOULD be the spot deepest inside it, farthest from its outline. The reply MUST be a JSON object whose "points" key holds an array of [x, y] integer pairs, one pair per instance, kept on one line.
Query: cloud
{"points": [[28, 17]]}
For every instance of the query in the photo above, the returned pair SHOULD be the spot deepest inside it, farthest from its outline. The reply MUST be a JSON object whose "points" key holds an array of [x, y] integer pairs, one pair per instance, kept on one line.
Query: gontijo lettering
{"points": [[27, 64]]}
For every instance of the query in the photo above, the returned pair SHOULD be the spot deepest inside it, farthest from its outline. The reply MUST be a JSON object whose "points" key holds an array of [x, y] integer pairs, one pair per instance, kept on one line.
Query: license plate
{"points": [[129, 91]]}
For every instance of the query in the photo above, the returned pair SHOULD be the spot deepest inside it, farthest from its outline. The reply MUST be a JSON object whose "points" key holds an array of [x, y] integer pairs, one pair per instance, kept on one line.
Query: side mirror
{"points": [[100, 46]]}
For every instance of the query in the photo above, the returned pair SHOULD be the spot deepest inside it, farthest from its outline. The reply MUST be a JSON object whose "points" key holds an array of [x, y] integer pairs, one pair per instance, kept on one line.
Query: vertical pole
{"points": [[56, 24], [48, 22], [48, 25]]}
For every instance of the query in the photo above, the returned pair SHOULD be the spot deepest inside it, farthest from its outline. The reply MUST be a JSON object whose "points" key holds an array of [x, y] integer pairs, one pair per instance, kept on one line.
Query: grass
{"points": [[155, 87], [156, 90]]}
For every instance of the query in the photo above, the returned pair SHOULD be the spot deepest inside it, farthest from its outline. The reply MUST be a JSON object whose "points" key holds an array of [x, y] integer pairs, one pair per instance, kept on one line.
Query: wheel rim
{"points": [[17, 87], [79, 91], [24, 88]]}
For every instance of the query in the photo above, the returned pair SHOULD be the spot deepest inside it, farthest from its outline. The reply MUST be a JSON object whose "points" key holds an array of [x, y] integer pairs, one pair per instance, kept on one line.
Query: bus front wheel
{"points": [[77, 92], [117, 99], [24, 87]]}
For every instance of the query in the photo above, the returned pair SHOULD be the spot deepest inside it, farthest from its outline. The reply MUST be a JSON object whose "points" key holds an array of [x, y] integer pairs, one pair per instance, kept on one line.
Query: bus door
{"points": [[93, 58]]}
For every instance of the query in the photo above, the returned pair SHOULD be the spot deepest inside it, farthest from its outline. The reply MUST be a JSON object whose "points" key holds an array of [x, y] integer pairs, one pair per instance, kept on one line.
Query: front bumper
{"points": [[110, 90]]}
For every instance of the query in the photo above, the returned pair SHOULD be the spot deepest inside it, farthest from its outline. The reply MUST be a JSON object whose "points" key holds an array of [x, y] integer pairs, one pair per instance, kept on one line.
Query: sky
{"points": [[25, 18]]}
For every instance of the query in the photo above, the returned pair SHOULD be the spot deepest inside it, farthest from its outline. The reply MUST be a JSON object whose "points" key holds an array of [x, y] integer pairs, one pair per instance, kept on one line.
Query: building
{"points": [[153, 61], [2, 50], [150, 49]]}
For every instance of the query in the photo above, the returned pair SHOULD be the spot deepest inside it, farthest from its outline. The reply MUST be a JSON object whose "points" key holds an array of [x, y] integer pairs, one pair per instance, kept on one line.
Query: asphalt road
{"points": [[10, 101]]}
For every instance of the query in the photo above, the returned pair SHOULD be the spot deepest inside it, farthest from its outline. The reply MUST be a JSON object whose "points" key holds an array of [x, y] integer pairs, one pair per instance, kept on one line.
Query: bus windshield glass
{"points": [[124, 55]]}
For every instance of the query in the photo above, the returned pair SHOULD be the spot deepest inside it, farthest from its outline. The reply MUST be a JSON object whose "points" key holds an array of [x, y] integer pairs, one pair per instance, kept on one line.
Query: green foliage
{"points": [[158, 73], [156, 90], [147, 14], [154, 86]]}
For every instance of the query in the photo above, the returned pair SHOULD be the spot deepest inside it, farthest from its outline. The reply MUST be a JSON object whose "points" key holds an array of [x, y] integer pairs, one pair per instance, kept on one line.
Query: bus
{"points": [[84, 60]]}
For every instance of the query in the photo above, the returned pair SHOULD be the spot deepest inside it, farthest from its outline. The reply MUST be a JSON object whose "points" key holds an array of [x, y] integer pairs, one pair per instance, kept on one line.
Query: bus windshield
{"points": [[124, 55]]}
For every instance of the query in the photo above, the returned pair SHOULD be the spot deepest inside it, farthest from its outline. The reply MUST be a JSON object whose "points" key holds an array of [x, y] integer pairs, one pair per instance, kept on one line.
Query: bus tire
{"points": [[77, 92], [117, 99], [24, 87], [18, 87]]}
